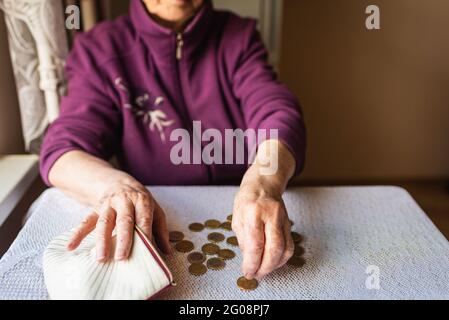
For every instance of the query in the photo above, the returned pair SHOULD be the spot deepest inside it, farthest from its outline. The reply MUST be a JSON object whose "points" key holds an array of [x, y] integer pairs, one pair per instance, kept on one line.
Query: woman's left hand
{"points": [[260, 219], [262, 227]]}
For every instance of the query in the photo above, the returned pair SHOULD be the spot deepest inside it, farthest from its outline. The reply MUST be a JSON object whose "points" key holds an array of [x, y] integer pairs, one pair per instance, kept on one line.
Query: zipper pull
{"points": [[179, 45]]}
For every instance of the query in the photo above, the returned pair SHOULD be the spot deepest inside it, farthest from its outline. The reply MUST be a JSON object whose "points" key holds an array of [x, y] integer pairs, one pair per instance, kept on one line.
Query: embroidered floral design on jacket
{"points": [[156, 119]]}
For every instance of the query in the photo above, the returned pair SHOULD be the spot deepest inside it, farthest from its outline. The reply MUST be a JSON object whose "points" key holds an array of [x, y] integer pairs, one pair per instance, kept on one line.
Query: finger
{"points": [[105, 225], [144, 207], [238, 231], [125, 227], [240, 234], [86, 227], [289, 245], [254, 245], [160, 230], [274, 248]]}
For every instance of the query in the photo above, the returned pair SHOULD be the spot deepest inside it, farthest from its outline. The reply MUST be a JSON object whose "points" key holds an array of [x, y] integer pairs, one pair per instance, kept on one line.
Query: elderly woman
{"points": [[135, 81]]}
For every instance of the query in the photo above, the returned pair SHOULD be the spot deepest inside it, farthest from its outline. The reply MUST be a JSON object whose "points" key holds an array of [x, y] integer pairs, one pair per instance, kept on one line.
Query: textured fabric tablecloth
{"points": [[346, 229]]}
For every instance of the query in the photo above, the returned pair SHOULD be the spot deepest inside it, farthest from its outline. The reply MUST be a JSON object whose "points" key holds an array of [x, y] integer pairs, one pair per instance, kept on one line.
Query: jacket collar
{"points": [[161, 41]]}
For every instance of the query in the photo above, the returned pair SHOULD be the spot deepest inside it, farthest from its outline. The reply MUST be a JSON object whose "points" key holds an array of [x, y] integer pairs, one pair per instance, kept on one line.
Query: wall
{"points": [[376, 102], [118, 8], [11, 140]]}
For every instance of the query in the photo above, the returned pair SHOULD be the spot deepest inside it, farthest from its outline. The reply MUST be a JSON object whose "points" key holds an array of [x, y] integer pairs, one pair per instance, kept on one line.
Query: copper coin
{"points": [[297, 238], [197, 269], [210, 248], [296, 261], [229, 218], [226, 254], [299, 251], [232, 241], [215, 237], [196, 227], [184, 246], [215, 263], [247, 284], [212, 224], [226, 226], [175, 236], [196, 257]]}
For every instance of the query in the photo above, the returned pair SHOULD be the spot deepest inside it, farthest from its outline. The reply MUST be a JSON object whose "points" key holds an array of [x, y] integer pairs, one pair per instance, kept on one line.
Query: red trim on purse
{"points": [[159, 261]]}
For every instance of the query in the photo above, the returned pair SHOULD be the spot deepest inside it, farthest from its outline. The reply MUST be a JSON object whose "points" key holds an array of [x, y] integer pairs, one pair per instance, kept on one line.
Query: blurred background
{"points": [[376, 102]]}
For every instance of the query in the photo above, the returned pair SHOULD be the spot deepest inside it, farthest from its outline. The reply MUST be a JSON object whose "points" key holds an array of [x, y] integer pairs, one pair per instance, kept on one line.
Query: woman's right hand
{"points": [[123, 205]]}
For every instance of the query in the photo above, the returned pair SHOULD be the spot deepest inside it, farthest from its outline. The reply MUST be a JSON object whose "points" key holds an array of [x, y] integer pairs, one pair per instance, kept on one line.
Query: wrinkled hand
{"points": [[262, 227], [121, 207]]}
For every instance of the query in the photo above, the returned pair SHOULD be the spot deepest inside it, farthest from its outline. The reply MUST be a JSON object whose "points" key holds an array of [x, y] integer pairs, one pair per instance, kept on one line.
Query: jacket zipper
{"points": [[178, 58], [179, 46]]}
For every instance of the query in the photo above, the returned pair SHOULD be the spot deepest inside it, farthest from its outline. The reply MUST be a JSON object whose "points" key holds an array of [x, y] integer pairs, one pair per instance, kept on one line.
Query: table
{"points": [[354, 236]]}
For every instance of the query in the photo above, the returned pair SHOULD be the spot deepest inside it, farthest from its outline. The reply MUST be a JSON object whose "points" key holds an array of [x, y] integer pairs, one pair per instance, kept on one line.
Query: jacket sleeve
{"points": [[266, 103], [89, 120]]}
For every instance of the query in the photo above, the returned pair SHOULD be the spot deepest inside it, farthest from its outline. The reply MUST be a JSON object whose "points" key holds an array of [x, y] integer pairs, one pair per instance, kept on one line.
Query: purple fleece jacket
{"points": [[131, 82]]}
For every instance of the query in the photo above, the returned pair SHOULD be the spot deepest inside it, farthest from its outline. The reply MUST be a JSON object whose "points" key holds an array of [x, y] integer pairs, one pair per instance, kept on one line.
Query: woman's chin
{"points": [[182, 3]]}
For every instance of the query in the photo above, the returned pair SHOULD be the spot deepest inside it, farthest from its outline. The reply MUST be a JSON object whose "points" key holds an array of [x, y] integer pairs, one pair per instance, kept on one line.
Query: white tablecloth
{"points": [[346, 229]]}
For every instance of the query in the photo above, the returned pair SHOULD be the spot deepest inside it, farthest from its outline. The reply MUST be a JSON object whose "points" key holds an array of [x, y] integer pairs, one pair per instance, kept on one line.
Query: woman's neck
{"points": [[176, 26]]}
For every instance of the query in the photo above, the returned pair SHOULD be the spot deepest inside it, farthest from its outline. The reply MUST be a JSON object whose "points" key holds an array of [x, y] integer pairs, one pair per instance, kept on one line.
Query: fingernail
{"points": [[120, 255], [101, 254], [249, 275]]}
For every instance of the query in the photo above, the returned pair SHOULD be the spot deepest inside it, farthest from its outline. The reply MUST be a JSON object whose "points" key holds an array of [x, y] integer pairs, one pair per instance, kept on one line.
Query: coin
{"points": [[184, 246], [197, 269], [247, 284], [226, 226], [296, 261], [196, 257], [297, 238], [232, 241], [210, 248], [226, 254], [215, 263], [196, 227], [175, 236], [229, 218], [212, 224], [215, 237], [299, 251]]}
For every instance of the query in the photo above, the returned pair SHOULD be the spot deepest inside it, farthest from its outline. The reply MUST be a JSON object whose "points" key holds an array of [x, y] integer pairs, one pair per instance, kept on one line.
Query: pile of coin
{"points": [[212, 257]]}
